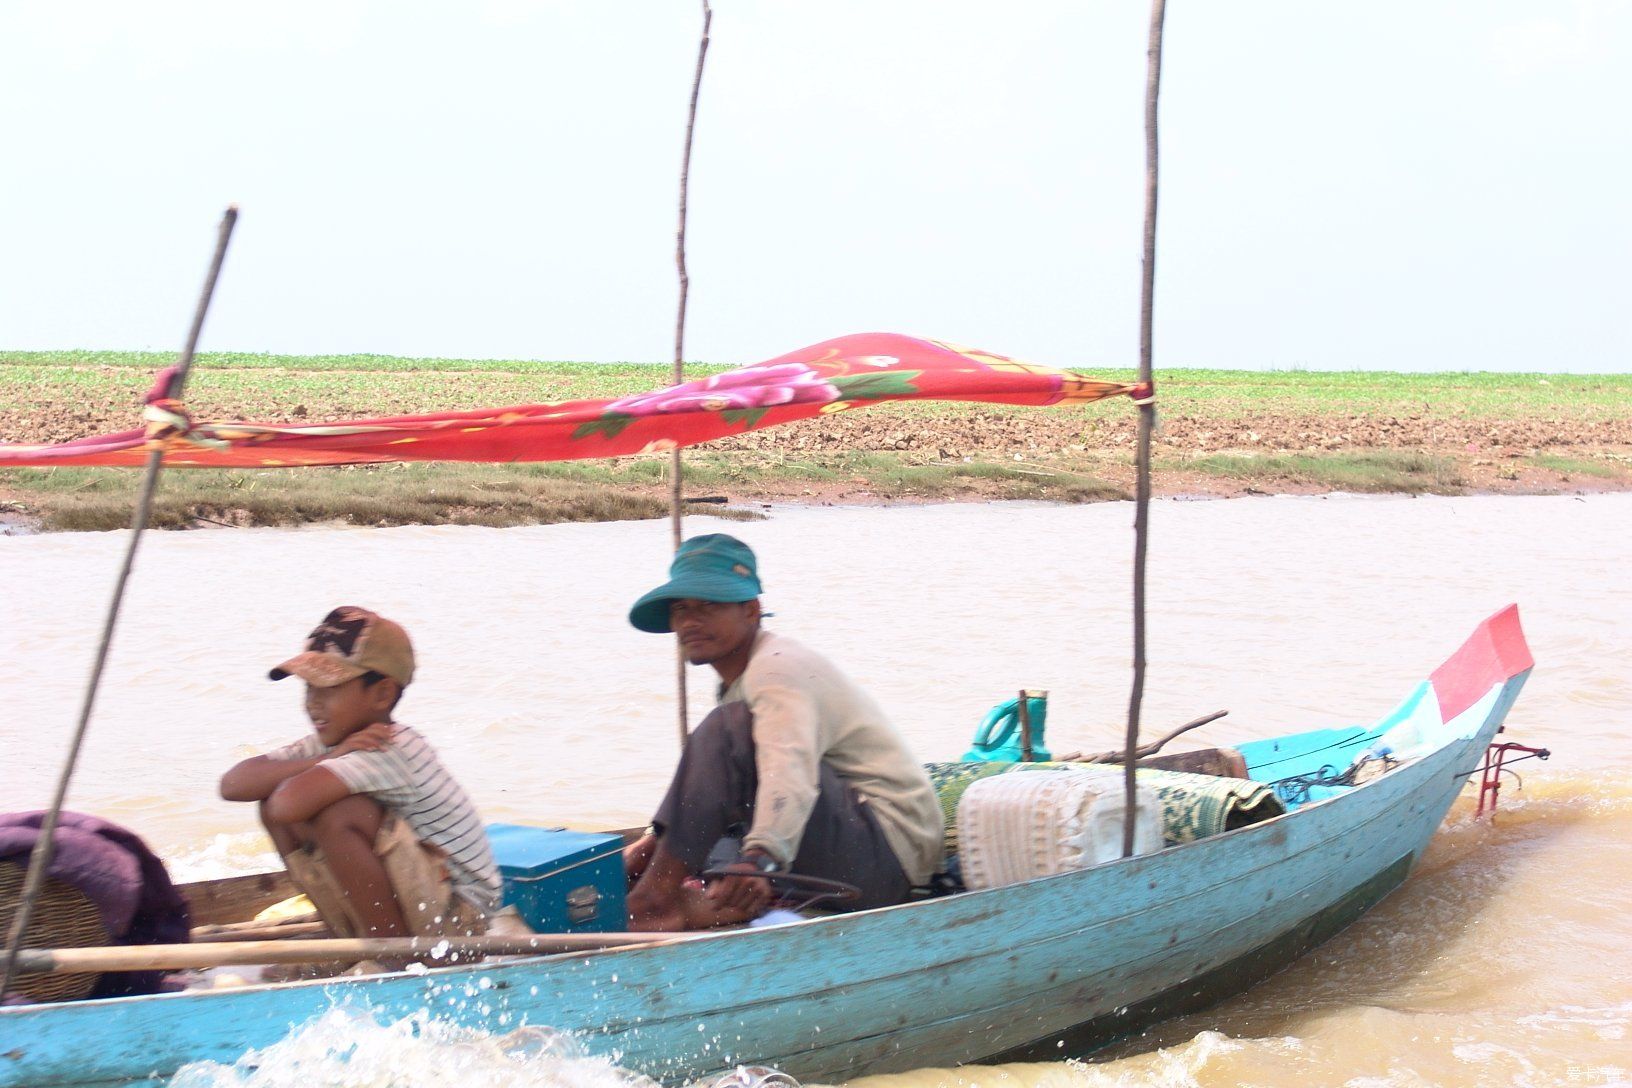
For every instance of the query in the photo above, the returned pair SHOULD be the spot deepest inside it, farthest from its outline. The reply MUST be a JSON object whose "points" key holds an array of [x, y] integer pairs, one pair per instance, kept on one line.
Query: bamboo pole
{"points": [[40, 859], [1147, 418], [675, 470], [250, 931], [1023, 709], [437, 950]]}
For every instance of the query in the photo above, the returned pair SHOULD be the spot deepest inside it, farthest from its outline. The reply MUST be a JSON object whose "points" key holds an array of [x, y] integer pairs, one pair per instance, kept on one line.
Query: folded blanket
{"points": [[1194, 806], [1014, 827], [116, 871]]}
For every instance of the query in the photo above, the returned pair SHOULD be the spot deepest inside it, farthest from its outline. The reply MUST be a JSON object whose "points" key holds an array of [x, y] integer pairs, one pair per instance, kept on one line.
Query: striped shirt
{"points": [[407, 778]]}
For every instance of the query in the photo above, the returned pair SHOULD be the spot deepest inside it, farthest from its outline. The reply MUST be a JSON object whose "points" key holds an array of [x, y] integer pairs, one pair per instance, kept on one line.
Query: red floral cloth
{"points": [[849, 372]]}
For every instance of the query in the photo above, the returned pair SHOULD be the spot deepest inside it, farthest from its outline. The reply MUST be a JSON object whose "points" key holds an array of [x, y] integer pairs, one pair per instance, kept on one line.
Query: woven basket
{"points": [[63, 918]]}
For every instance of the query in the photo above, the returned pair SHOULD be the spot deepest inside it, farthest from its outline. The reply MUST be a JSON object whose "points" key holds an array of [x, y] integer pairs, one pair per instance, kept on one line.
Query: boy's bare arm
{"points": [[299, 798], [255, 778]]}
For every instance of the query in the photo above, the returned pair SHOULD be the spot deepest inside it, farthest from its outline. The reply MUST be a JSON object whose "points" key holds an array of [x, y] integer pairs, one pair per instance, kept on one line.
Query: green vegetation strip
{"points": [[1576, 466], [1392, 471], [88, 499], [91, 499], [437, 384]]}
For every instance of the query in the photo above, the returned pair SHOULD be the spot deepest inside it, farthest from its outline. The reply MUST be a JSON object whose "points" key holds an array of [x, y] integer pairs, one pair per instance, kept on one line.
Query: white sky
{"points": [[1401, 184]]}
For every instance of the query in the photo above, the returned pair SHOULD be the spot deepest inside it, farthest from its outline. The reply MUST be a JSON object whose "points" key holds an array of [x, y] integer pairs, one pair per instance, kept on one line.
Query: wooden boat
{"points": [[1049, 967]]}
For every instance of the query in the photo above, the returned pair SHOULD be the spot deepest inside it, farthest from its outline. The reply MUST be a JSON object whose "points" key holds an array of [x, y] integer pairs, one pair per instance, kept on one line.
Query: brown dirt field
{"points": [[957, 431], [1486, 457]]}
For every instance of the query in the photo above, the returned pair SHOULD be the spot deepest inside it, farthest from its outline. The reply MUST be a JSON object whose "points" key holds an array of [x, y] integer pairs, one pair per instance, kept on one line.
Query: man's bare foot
{"points": [[655, 919], [665, 899], [701, 912]]}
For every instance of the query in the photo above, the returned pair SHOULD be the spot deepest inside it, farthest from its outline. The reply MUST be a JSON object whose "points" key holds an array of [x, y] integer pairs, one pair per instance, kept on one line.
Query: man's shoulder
{"points": [[774, 644], [777, 654]]}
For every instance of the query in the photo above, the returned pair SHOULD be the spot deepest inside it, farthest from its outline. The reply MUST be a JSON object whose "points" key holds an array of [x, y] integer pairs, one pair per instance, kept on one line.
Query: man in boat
{"points": [[369, 823], [796, 759]]}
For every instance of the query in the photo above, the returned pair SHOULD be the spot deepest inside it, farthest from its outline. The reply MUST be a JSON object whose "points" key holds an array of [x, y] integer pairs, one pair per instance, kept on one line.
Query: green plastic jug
{"points": [[998, 737]]}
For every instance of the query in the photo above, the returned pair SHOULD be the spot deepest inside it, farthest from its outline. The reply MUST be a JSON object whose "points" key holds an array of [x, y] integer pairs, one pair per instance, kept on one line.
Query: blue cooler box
{"points": [[561, 881]]}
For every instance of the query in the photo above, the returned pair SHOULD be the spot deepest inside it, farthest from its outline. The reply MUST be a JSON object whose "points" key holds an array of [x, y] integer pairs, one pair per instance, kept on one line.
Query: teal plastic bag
{"points": [[998, 737]]}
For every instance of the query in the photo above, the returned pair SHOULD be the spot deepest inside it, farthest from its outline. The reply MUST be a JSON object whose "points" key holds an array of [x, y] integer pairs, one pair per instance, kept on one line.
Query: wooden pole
{"points": [[439, 950], [40, 859], [1147, 418], [675, 471], [1024, 710]]}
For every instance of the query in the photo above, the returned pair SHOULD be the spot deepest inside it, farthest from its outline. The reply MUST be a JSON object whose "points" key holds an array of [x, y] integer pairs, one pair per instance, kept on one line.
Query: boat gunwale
{"points": [[450, 971]]}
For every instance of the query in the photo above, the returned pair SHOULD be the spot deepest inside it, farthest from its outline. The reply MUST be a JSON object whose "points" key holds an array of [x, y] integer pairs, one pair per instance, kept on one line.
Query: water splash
{"points": [[348, 1048], [222, 855]]}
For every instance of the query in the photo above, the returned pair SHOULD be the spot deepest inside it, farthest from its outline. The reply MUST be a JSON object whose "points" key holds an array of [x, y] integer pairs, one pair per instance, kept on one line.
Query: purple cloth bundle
{"points": [[118, 873]]}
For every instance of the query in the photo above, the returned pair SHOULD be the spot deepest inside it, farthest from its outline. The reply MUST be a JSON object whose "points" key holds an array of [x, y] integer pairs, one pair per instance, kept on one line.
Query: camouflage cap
{"points": [[349, 642]]}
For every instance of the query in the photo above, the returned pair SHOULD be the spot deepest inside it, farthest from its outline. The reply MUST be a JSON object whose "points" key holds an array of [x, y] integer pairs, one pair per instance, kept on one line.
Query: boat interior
{"points": [[1198, 794]]}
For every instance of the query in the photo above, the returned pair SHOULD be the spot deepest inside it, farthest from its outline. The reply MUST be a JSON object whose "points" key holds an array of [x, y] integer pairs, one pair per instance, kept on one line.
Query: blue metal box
{"points": [[561, 881]]}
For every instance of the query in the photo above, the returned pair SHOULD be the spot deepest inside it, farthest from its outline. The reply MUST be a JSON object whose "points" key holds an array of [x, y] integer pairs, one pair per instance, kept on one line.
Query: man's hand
{"points": [[370, 738], [750, 893]]}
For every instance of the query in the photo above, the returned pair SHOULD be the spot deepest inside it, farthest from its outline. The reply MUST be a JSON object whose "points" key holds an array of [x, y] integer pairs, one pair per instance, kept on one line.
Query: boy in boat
{"points": [[370, 825], [796, 759]]}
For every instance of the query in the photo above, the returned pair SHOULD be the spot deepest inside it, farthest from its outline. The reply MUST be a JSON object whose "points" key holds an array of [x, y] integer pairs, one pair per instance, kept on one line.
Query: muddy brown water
{"points": [[1505, 960]]}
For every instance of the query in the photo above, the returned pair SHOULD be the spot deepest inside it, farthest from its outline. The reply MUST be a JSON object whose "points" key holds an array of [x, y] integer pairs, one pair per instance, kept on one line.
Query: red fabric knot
{"points": [[166, 419], [161, 385], [1144, 393]]}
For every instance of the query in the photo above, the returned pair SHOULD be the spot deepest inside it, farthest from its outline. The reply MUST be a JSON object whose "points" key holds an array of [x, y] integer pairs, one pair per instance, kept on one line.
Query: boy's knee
{"points": [[353, 814], [270, 820]]}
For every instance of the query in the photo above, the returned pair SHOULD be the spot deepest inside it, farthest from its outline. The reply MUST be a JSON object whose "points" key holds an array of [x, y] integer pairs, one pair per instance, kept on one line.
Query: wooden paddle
{"points": [[436, 950]]}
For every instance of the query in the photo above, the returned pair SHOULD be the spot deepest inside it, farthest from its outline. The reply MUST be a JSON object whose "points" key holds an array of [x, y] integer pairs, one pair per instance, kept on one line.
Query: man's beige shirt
{"points": [[806, 713]]}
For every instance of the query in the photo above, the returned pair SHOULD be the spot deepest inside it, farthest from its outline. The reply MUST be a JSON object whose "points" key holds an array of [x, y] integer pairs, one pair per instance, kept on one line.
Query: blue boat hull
{"points": [[1053, 966]]}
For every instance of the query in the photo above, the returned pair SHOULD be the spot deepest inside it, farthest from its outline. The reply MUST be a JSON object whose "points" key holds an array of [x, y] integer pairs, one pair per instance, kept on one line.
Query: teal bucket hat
{"points": [[715, 567]]}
